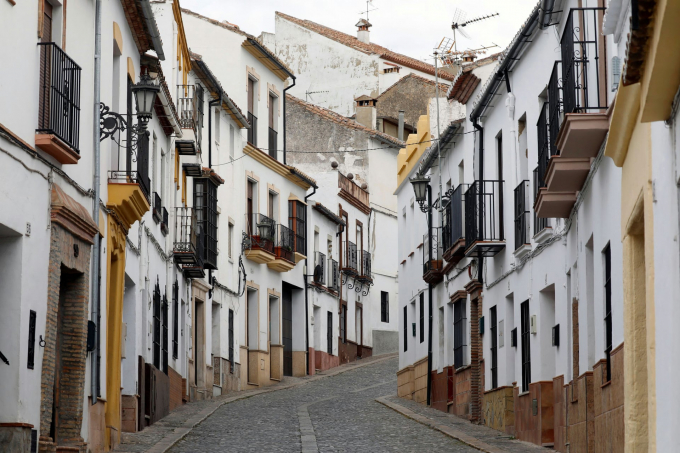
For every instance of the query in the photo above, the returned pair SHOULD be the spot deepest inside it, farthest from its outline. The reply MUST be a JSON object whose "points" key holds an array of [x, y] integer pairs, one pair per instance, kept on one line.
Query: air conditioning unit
{"points": [[534, 327]]}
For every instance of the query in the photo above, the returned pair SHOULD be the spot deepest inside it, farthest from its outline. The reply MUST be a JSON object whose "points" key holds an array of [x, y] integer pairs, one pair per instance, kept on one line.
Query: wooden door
{"points": [[287, 330], [45, 67], [249, 208]]}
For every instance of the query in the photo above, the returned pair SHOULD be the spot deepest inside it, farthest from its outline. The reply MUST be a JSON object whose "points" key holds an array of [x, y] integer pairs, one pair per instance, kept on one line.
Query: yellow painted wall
{"points": [[416, 144]]}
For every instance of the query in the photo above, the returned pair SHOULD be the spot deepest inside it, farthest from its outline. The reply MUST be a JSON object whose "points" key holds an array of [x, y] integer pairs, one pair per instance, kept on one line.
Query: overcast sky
{"points": [[411, 27]]}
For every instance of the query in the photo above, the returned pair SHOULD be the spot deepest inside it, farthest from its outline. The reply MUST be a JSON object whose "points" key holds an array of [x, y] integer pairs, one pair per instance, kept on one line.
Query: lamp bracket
{"points": [[112, 122]]}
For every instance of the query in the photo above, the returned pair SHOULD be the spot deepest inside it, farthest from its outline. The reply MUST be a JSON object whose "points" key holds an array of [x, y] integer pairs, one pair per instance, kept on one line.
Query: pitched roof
{"points": [[443, 87], [143, 26], [352, 41], [344, 121]]}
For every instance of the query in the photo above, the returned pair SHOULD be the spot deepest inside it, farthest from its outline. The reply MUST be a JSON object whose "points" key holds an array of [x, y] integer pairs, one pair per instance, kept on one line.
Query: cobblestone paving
{"points": [[343, 413]]}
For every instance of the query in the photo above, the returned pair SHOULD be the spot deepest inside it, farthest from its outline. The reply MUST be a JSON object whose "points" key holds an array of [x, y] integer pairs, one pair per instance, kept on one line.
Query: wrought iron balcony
{"points": [[59, 108], [252, 132], [188, 241], [522, 215], [555, 113], [540, 223], [164, 224], [130, 177], [190, 112], [284, 243], [453, 228], [157, 208], [365, 272], [273, 142], [319, 268], [545, 147], [334, 276], [260, 230], [349, 266], [433, 264], [484, 232], [196, 270]]}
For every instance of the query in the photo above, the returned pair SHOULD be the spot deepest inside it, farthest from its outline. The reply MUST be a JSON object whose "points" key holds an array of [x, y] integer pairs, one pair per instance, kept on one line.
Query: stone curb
{"points": [[444, 429], [179, 433]]}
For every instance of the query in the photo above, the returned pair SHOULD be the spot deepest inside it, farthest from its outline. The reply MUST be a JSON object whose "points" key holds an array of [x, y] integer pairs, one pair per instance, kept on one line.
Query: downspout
{"points": [[429, 301], [94, 276], [285, 143], [210, 105], [305, 276], [545, 12], [480, 258]]}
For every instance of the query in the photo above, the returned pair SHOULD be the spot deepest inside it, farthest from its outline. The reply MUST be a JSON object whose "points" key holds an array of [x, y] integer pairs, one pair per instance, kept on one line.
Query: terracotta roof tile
{"points": [[443, 87], [352, 41], [344, 121]]}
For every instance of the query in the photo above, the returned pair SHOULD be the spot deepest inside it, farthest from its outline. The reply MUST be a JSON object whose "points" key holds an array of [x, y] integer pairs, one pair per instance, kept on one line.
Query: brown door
{"points": [[249, 209], [251, 95], [287, 330], [45, 68]]}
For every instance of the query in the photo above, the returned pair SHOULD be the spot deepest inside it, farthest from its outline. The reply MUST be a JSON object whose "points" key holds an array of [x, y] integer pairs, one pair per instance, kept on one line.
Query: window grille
{"points": [[526, 348], [494, 348], [157, 325], [175, 320], [459, 335]]}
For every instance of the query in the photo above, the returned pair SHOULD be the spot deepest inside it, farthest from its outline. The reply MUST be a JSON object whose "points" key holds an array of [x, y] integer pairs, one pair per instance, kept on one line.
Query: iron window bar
{"points": [[522, 214], [205, 208], [164, 330], [555, 110], [319, 268], [453, 225], [432, 257], [175, 319], [485, 198], [335, 276], [157, 208], [187, 241], [459, 334], [273, 143], [329, 333], [494, 348], [59, 97], [544, 152], [284, 245], [260, 231], [540, 223], [157, 325], [350, 264], [526, 347], [252, 132], [164, 224]]}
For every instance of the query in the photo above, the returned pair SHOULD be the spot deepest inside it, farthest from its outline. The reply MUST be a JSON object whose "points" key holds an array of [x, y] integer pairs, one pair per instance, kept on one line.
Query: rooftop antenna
{"points": [[308, 94], [459, 22], [369, 3]]}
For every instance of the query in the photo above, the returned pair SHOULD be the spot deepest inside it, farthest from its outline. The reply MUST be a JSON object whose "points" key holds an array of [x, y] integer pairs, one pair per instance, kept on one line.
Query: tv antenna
{"points": [[369, 3], [459, 22], [308, 94]]}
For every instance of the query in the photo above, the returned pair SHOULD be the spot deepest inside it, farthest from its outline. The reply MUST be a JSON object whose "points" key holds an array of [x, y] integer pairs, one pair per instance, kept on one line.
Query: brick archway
{"points": [[63, 368]]}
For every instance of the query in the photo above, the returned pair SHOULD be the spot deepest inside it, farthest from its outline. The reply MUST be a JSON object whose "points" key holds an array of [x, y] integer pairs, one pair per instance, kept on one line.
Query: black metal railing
{"points": [[484, 212], [188, 241], [432, 252], [453, 228], [164, 224], [554, 119], [543, 145], [334, 276], [350, 262], [190, 110], [273, 142], [59, 109], [319, 268], [582, 89], [522, 214], [129, 177], [157, 208], [539, 223], [252, 132], [284, 243], [365, 264], [260, 230]]}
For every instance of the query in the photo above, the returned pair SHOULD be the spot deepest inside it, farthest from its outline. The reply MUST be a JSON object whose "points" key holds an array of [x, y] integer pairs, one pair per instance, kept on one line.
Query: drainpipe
{"points": [[429, 302], [305, 276], [480, 258], [285, 144], [94, 275], [210, 105]]}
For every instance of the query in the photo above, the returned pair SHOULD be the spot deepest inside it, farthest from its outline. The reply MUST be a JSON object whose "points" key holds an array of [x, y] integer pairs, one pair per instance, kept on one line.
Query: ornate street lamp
{"points": [[420, 184]]}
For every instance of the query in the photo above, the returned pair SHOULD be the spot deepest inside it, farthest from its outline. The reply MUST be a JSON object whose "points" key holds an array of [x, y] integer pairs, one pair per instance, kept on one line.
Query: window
{"points": [[459, 335], [154, 162], [157, 326], [273, 134], [164, 331], [217, 126], [231, 341], [384, 306], [608, 308], [405, 330], [422, 317], [297, 220], [360, 247], [250, 206], [271, 206], [343, 323], [205, 207], [252, 119], [175, 320], [494, 348], [329, 333], [526, 349], [199, 117], [231, 239]]}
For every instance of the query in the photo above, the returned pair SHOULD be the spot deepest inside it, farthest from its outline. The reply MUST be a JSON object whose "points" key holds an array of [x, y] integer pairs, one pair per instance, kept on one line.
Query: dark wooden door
{"points": [[45, 67], [249, 208], [287, 318]]}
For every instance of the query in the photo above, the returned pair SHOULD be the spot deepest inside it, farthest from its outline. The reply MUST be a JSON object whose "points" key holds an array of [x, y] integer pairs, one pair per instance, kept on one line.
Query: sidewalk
{"points": [[159, 437], [477, 436]]}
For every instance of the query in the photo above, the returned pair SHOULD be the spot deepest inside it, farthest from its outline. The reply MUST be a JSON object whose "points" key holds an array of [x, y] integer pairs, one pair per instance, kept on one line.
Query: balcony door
{"points": [[249, 208]]}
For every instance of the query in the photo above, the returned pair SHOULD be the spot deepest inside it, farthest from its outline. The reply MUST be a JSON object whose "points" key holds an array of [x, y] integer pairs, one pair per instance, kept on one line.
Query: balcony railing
{"points": [[129, 177], [260, 230], [164, 224], [555, 115], [59, 109], [319, 268], [284, 243], [453, 228], [351, 189], [484, 230], [189, 110], [350, 263], [334, 276], [273, 142], [544, 146], [252, 132], [540, 224], [187, 247], [522, 214], [366, 265], [432, 253], [583, 90], [157, 208]]}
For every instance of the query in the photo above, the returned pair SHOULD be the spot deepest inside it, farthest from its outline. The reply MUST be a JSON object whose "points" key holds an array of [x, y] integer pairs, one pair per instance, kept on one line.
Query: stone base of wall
{"points": [[97, 426], [405, 382], [462, 391], [498, 409], [442, 389], [608, 403], [420, 381], [15, 437], [299, 363], [385, 342], [324, 361], [535, 426], [176, 390], [347, 351], [130, 409]]}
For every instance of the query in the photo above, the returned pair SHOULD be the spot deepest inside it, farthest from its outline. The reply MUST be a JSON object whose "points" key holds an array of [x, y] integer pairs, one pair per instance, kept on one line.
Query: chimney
{"points": [[366, 111], [363, 32], [469, 57], [400, 133]]}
